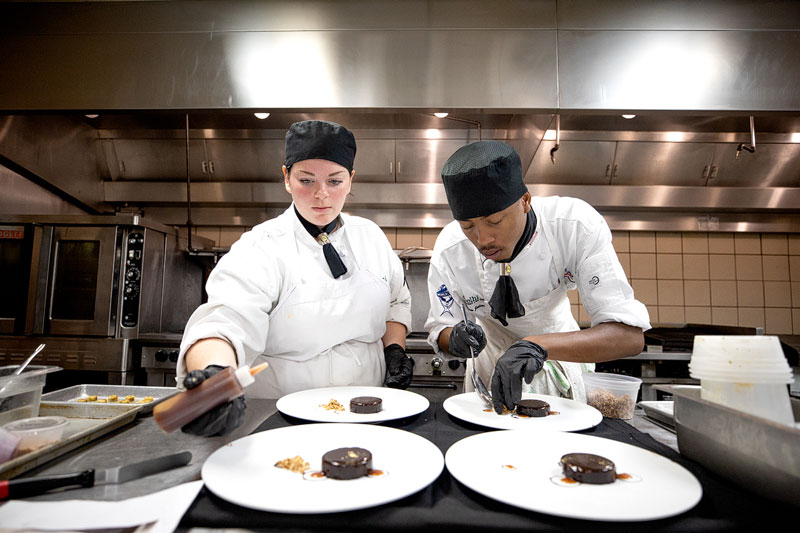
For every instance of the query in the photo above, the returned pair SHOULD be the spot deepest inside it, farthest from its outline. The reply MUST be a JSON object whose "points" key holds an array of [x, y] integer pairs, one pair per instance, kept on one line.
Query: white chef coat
{"points": [[570, 249], [273, 298]]}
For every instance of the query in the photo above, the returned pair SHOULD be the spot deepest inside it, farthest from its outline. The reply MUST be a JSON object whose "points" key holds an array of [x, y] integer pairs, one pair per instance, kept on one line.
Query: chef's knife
{"points": [[22, 488]]}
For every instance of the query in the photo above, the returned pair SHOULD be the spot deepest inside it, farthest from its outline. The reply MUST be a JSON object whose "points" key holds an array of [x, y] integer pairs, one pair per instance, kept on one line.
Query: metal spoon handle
{"points": [[28, 360]]}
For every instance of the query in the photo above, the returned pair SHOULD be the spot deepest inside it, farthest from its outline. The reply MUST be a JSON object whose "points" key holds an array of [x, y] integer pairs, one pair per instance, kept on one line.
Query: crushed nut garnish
{"points": [[294, 464], [332, 405]]}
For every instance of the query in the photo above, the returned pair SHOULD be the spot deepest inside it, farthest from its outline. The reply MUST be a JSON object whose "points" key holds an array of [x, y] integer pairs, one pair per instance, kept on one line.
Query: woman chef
{"points": [[317, 294], [510, 259]]}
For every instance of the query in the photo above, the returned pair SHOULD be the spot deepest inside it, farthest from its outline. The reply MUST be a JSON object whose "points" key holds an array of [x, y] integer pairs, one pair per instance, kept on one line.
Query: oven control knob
{"points": [[436, 363], [132, 274], [454, 364], [161, 355], [173, 356]]}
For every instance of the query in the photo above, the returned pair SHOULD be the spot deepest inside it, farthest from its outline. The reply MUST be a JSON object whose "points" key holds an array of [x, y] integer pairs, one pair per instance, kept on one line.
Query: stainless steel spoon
{"points": [[19, 370]]}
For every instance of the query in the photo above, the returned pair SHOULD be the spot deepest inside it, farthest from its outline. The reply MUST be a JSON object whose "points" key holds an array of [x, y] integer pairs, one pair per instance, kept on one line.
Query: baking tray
{"points": [[662, 412], [756, 453], [70, 395], [87, 422]]}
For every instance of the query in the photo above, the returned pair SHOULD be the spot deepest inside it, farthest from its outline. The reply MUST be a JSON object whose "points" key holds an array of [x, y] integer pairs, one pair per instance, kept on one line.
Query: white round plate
{"points": [[572, 415], [243, 471], [307, 404], [521, 468]]}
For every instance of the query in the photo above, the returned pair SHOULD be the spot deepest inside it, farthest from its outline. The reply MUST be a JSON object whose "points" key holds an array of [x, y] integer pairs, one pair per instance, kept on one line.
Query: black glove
{"points": [[523, 359], [220, 420], [465, 335], [398, 367]]}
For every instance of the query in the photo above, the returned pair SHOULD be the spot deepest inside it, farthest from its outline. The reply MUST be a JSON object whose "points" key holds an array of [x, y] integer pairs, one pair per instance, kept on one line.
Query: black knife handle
{"points": [[22, 488]]}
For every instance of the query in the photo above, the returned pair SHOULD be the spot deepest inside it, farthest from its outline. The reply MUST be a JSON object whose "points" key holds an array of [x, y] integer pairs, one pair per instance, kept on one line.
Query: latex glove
{"points": [[220, 420], [522, 360], [399, 367], [465, 335]]}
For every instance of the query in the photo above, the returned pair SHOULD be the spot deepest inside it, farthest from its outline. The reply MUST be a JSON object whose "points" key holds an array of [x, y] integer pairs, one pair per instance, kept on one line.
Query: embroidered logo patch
{"points": [[445, 299], [594, 281], [568, 276]]}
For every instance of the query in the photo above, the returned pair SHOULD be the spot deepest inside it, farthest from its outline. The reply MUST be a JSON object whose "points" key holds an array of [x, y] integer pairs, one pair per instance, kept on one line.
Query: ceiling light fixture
{"points": [[440, 115], [261, 116], [92, 116], [629, 116]]}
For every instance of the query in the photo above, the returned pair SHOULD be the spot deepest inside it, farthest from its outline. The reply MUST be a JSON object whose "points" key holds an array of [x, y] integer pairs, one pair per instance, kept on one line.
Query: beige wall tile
{"points": [[576, 312], [209, 232], [774, 244], [670, 292], [777, 294], [747, 243], [723, 294], [671, 314], [407, 237], [721, 266], [669, 266], [750, 293], [574, 297], [645, 290], [795, 293], [698, 315], [620, 240], [778, 321], [697, 293], [391, 235], [749, 267], [776, 267], [752, 317], [794, 267], [229, 235], [794, 244], [584, 316], [643, 266], [796, 321], [695, 243], [652, 310], [625, 261], [642, 241], [429, 237], [724, 316], [668, 243], [695, 266], [720, 243]]}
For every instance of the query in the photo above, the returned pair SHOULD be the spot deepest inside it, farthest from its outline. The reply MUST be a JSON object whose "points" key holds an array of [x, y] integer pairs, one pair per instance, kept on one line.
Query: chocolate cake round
{"points": [[588, 468], [365, 404], [533, 408], [347, 463]]}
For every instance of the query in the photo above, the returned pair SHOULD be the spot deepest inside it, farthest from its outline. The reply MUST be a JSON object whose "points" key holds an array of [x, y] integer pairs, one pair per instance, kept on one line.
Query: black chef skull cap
{"points": [[482, 178], [320, 139]]}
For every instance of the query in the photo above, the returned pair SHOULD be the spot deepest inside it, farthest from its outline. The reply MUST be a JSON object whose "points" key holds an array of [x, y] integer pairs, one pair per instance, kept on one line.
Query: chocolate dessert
{"points": [[588, 468], [365, 404], [347, 463], [533, 408]]}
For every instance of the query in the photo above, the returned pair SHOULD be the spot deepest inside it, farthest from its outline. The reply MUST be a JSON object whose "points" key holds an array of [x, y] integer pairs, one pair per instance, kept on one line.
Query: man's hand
{"points": [[464, 335], [522, 360], [399, 367], [220, 420]]}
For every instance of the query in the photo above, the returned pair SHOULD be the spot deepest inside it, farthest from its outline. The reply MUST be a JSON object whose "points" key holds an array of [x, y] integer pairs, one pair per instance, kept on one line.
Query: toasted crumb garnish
{"points": [[332, 405], [294, 464]]}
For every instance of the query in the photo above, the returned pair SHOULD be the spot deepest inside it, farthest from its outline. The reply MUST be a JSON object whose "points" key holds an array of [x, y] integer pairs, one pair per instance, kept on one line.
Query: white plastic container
{"points": [[37, 431], [614, 395], [748, 373]]}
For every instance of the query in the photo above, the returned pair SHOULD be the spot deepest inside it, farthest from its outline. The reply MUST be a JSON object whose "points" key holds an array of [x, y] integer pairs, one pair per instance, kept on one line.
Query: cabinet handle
{"points": [[608, 169], [713, 171], [391, 166], [204, 166], [211, 167], [614, 172], [705, 171], [121, 166]]}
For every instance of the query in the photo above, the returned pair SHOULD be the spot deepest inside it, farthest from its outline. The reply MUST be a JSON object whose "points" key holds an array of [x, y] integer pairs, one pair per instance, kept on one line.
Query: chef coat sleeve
{"points": [[242, 290], [445, 300], [605, 292], [400, 298]]}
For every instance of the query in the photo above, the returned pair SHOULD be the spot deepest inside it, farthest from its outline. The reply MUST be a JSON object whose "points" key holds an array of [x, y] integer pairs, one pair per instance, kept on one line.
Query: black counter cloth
{"points": [[505, 298], [321, 234], [447, 505]]}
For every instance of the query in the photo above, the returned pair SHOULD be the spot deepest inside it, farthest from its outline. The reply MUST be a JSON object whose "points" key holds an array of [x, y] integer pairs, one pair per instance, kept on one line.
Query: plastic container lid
{"points": [[740, 358], [36, 425]]}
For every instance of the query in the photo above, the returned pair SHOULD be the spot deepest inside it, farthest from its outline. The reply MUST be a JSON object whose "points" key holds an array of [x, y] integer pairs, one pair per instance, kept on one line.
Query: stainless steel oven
{"points": [[90, 286]]}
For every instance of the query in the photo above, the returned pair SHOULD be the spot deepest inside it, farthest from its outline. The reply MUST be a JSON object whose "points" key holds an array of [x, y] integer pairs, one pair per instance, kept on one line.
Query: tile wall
{"points": [[738, 279]]}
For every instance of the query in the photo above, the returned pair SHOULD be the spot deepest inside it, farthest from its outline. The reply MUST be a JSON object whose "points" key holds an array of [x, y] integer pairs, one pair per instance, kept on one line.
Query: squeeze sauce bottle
{"points": [[224, 386]]}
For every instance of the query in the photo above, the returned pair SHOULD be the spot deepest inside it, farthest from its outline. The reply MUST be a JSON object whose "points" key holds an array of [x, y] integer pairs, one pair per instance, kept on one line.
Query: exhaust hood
{"points": [[692, 73]]}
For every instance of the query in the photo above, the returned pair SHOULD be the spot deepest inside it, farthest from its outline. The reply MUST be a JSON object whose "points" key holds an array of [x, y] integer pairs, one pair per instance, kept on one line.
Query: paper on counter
{"points": [[165, 509]]}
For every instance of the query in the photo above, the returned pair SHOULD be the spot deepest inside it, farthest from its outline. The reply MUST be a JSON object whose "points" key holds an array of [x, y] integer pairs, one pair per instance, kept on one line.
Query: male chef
{"points": [[510, 259]]}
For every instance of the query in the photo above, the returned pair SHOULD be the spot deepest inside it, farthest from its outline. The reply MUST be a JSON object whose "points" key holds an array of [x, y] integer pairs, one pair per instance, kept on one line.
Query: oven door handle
{"points": [[451, 386]]}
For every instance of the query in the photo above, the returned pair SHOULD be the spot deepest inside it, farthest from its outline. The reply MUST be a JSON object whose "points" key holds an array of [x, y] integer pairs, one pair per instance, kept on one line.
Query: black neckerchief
{"points": [[505, 299], [321, 235]]}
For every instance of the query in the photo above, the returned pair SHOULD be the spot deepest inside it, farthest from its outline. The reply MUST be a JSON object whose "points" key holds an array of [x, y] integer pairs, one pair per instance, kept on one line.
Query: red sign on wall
{"points": [[12, 232]]}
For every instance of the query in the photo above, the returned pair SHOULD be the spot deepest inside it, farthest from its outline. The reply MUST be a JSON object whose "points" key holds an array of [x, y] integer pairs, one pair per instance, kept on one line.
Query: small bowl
{"points": [[614, 395], [37, 432]]}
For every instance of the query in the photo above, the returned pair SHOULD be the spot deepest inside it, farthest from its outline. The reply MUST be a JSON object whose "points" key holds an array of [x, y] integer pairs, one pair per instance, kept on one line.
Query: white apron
{"points": [[549, 314], [326, 333]]}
